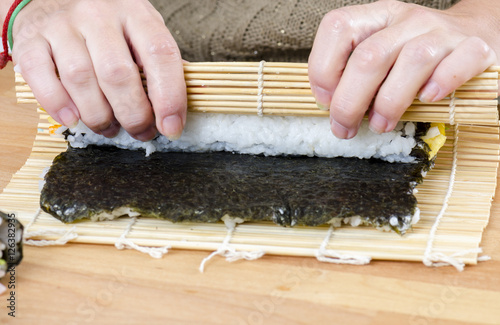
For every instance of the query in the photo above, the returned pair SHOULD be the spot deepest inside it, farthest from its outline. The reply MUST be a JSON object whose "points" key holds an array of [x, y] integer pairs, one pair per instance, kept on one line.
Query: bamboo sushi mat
{"points": [[454, 200]]}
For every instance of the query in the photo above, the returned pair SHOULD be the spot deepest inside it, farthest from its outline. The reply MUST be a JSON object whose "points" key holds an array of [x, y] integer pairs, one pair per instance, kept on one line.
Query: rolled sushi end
{"points": [[3, 270], [11, 247], [3, 267]]}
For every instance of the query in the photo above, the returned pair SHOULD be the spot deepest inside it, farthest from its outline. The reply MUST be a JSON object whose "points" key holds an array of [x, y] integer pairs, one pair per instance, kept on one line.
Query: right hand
{"points": [[377, 57], [97, 47]]}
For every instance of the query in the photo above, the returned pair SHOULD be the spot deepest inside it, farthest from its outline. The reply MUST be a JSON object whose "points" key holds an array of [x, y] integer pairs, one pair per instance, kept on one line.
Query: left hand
{"points": [[389, 51]]}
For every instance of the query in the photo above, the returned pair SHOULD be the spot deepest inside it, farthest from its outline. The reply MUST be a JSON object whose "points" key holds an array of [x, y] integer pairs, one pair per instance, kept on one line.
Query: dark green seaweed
{"points": [[203, 187]]}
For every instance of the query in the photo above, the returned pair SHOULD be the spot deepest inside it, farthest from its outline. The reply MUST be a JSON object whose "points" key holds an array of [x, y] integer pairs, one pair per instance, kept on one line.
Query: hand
{"points": [[389, 51], [97, 47]]}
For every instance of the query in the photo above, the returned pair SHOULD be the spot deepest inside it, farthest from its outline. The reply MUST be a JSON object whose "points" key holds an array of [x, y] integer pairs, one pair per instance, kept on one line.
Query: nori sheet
{"points": [[203, 187]]}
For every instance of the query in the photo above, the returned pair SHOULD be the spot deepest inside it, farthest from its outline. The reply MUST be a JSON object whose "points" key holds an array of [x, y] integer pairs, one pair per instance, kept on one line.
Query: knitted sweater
{"points": [[252, 30]]}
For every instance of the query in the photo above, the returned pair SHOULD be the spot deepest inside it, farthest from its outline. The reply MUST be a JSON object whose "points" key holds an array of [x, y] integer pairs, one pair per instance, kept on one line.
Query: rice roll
{"points": [[269, 136]]}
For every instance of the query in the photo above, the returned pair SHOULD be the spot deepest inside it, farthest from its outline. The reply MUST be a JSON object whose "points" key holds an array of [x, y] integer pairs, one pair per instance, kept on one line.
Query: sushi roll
{"points": [[287, 170], [11, 243]]}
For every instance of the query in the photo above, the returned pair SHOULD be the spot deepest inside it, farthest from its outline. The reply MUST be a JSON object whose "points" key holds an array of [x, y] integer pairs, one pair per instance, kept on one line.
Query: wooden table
{"points": [[80, 284]]}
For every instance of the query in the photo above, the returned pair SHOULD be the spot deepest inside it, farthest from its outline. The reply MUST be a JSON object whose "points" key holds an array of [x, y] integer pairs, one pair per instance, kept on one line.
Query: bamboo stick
{"points": [[476, 95]]}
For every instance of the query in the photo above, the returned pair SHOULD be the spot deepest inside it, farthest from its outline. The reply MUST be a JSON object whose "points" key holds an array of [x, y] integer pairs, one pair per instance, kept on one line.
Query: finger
{"points": [[339, 33], [413, 67], [471, 57], [119, 79], [331, 49], [368, 66], [34, 59], [156, 49], [78, 77]]}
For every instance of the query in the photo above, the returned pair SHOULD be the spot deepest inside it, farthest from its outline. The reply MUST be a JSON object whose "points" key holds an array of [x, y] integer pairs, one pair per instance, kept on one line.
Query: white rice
{"points": [[269, 135], [117, 212], [356, 221]]}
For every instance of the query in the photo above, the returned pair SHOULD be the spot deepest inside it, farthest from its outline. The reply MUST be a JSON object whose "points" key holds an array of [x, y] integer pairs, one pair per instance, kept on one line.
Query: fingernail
{"points": [[341, 131], [112, 130], [378, 123], [67, 117], [147, 135], [172, 127], [322, 107], [430, 92], [323, 97]]}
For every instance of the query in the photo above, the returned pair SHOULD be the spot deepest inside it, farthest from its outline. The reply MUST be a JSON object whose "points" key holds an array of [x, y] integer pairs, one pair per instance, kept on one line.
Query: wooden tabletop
{"points": [[82, 284]]}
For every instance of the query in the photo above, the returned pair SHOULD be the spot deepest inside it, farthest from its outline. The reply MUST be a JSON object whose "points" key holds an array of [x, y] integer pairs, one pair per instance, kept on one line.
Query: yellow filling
{"points": [[435, 138]]}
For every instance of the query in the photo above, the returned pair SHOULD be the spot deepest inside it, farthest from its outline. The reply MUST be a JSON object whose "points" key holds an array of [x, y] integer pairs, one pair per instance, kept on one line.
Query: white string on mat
{"points": [[452, 108], [123, 242], [330, 256], [67, 235], [260, 86], [229, 252], [439, 259], [32, 221], [484, 258]]}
